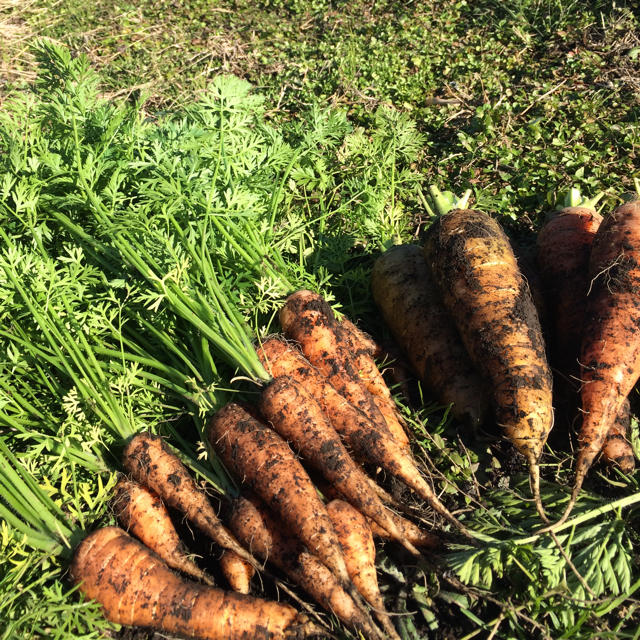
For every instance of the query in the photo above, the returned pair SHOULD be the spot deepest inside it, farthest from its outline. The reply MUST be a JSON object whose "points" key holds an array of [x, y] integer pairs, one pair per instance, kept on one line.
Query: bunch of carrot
{"points": [[465, 317]]}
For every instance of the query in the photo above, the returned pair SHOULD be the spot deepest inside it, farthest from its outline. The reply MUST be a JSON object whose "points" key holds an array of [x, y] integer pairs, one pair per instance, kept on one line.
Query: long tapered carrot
{"points": [[490, 303], [308, 319], [142, 513], [135, 587], [356, 540], [298, 418], [152, 464], [610, 353], [359, 433], [260, 459], [259, 529]]}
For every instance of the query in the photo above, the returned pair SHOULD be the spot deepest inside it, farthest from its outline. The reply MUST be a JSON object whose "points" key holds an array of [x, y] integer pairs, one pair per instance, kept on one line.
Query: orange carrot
{"points": [[407, 295], [258, 528], [308, 319], [359, 433], [298, 418], [237, 571], [356, 540], [490, 303], [370, 376], [263, 461], [135, 587], [142, 513], [152, 464], [361, 341]]}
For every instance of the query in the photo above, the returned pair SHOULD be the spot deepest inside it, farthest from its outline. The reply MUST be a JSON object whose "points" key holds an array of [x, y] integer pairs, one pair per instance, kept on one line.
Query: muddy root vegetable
{"points": [[261, 460], [298, 418], [308, 319], [610, 353], [361, 341], [258, 528], [149, 461], [135, 587], [477, 274], [362, 436], [407, 296], [617, 449], [360, 555], [142, 513], [237, 571]]}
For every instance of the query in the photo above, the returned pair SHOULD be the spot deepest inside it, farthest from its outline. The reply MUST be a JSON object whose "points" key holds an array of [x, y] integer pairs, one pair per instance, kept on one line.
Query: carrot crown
{"points": [[441, 202]]}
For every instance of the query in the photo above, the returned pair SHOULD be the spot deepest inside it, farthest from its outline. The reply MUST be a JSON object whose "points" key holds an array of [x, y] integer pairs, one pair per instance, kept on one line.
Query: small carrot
{"points": [[359, 433], [356, 540], [361, 340], [237, 571], [263, 461], [298, 418], [259, 529], [135, 587], [148, 459], [142, 513], [307, 318]]}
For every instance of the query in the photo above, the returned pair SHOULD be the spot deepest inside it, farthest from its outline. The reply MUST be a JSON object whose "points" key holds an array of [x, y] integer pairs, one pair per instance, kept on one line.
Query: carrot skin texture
{"points": [[360, 555], [152, 464], [610, 354], [142, 513], [370, 376], [359, 433], [478, 276], [135, 587], [259, 529], [299, 419], [361, 340], [308, 319], [405, 292], [617, 449], [237, 571], [264, 462]]}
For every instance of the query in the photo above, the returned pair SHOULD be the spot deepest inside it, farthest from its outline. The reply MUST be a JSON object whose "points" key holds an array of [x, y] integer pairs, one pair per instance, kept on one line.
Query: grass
{"points": [[517, 102]]}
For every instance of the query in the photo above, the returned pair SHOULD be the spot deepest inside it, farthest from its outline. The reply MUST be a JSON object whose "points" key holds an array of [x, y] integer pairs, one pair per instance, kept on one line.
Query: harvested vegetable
{"points": [[481, 286], [610, 353], [298, 418], [412, 307], [308, 319], [359, 433], [356, 540], [361, 340], [153, 465], [237, 571], [257, 527], [142, 513], [135, 587], [263, 461]]}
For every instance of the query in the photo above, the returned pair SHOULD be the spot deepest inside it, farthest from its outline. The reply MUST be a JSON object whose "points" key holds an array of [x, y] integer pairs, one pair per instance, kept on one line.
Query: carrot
{"points": [[616, 448], [356, 540], [369, 375], [142, 513], [135, 587], [361, 340], [365, 438], [237, 571], [263, 461], [257, 527], [307, 318], [610, 352], [298, 418], [563, 250], [152, 464], [478, 276], [411, 306]]}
